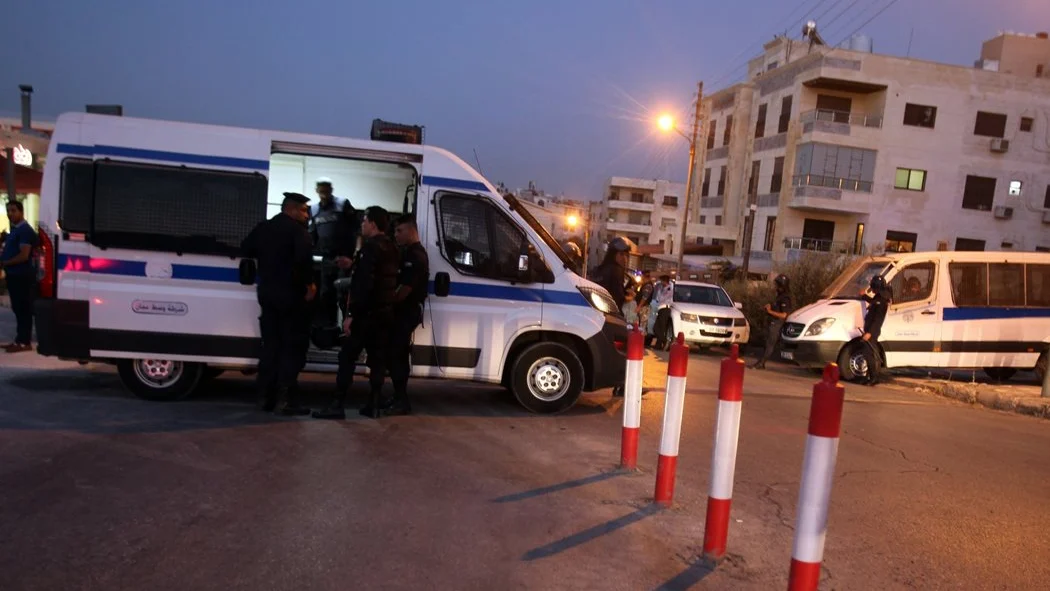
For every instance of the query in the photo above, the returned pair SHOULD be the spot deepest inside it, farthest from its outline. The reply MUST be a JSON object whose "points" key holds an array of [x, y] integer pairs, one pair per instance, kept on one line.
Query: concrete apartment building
{"points": [[649, 212], [848, 151]]}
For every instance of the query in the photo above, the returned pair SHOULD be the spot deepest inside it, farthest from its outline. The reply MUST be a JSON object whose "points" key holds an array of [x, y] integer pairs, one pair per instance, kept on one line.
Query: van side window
{"points": [[1006, 284], [969, 284], [1038, 283], [914, 283], [175, 209], [478, 239], [76, 195]]}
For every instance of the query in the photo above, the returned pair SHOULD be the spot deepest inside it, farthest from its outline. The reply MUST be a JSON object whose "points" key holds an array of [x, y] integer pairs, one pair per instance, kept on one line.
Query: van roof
{"points": [[960, 255]]}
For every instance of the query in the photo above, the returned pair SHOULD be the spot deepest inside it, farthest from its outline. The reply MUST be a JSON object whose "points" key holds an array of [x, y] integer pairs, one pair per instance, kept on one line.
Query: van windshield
{"points": [[539, 229], [855, 278]]}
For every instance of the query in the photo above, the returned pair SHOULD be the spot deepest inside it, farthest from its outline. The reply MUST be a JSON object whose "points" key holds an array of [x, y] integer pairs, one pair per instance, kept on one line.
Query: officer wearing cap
{"points": [[333, 227], [370, 314], [777, 312], [282, 247], [412, 282]]}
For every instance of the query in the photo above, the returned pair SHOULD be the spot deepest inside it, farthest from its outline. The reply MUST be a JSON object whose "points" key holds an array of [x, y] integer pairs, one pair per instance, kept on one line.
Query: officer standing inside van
{"points": [[412, 283], [370, 314], [777, 313], [282, 247], [333, 227]]}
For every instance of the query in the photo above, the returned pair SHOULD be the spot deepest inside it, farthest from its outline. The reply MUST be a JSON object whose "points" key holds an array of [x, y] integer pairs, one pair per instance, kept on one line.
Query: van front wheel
{"points": [[159, 379], [547, 378], [855, 361]]}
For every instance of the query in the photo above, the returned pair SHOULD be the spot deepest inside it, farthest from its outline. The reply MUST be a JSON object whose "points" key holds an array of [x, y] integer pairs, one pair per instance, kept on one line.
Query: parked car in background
{"points": [[706, 315]]}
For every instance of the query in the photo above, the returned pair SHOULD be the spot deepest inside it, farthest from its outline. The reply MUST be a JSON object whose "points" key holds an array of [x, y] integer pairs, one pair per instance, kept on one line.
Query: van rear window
{"points": [[175, 209], [76, 194]]}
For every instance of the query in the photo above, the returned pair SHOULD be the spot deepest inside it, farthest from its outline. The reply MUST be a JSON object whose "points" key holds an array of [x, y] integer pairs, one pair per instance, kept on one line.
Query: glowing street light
{"points": [[573, 220], [665, 122]]}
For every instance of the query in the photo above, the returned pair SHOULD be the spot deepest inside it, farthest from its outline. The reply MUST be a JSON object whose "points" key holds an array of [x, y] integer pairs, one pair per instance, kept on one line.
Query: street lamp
{"points": [[666, 123], [573, 222]]}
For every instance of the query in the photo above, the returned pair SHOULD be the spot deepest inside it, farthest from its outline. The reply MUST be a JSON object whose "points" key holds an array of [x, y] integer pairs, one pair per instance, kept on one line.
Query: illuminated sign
{"points": [[23, 157]]}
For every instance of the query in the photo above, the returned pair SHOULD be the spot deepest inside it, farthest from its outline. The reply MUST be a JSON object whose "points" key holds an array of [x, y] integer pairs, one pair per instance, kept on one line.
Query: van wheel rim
{"points": [[548, 379], [158, 373], [858, 364]]}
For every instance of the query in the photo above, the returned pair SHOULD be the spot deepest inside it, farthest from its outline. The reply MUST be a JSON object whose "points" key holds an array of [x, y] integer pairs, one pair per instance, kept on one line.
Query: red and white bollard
{"points": [[632, 399], [674, 404], [723, 458], [818, 469]]}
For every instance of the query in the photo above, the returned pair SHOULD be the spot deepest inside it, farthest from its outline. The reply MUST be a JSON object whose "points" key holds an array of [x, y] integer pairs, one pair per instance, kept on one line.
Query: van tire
{"points": [[538, 377], [850, 353], [1000, 374], [172, 380]]}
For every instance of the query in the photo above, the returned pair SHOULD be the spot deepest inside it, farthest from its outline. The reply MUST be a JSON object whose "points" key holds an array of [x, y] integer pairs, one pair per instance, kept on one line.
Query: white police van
{"points": [[966, 310], [141, 222]]}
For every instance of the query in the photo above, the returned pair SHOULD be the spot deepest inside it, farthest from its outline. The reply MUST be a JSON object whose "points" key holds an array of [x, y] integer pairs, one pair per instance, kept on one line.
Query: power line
{"points": [[865, 23]]}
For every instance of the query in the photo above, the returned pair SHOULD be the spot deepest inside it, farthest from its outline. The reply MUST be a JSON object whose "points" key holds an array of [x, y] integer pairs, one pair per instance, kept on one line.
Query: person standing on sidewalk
{"points": [[16, 262], [777, 312]]}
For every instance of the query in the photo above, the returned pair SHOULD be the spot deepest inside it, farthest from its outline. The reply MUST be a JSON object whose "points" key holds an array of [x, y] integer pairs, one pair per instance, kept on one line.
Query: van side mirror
{"points": [[247, 272], [442, 284]]}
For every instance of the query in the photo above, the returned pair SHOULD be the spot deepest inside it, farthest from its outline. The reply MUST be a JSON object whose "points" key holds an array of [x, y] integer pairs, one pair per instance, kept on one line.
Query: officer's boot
{"points": [[267, 400], [288, 404], [373, 405], [399, 404], [334, 410]]}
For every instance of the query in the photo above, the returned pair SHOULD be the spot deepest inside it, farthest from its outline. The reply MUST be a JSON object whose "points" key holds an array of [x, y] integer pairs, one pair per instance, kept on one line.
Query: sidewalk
{"points": [[1023, 398]]}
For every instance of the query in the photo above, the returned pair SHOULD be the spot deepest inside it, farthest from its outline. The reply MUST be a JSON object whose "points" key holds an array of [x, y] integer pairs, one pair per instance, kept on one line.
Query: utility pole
{"points": [[689, 178]]}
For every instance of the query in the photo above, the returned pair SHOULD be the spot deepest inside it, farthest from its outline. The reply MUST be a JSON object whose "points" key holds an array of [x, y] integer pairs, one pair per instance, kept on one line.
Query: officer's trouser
{"points": [[326, 307], [370, 334], [772, 336], [285, 339], [401, 350]]}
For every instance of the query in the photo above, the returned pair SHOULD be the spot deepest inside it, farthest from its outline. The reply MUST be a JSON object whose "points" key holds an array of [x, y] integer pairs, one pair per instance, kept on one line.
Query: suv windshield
{"points": [[701, 294], [539, 229], [855, 278]]}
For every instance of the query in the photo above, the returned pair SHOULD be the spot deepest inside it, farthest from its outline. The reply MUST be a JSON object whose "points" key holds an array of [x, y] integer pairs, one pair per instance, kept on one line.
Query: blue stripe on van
{"points": [[160, 155], [84, 264], [959, 314], [449, 183]]}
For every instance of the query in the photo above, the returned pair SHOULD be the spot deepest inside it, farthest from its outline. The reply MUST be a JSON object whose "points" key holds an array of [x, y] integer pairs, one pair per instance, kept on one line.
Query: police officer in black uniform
{"points": [[282, 247], [369, 314], [878, 305], [412, 283], [333, 227], [777, 312]]}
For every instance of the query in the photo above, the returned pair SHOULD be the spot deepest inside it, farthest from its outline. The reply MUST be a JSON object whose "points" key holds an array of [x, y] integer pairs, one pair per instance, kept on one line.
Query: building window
{"points": [[785, 115], [711, 131], [760, 122], [910, 179], [705, 187], [979, 193], [700, 240], [969, 245], [728, 131], [1015, 188], [900, 241], [703, 219], [771, 230], [670, 201], [722, 181], [637, 198], [752, 182], [718, 220], [836, 167], [920, 115], [990, 124], [1026, 123], [777, 181]]}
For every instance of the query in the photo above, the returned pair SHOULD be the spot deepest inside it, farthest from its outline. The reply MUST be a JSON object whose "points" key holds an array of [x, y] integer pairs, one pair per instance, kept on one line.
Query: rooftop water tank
{"points": [[860, 42]]}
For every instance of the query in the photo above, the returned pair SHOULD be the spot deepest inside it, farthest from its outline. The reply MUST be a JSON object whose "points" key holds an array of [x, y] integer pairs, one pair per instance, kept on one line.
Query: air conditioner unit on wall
{"points": [[1000, 145], [1003, 212]]}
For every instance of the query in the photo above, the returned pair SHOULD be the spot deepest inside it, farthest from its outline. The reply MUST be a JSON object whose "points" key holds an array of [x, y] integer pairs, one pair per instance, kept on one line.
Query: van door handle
{"points": [[928, 312]]}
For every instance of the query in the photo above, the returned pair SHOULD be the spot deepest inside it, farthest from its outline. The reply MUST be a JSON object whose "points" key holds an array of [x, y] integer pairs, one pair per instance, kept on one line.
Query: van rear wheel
{"points": [[161, 380], [547, 378]]}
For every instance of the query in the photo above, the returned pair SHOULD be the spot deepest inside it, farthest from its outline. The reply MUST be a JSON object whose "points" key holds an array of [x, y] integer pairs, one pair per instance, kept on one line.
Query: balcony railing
{"points": [[815, 180], [818, 245], [829, 116]]}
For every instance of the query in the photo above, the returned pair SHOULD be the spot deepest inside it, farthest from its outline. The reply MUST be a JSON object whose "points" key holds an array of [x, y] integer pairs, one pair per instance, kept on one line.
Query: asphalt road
{"points": [[99, 490]]}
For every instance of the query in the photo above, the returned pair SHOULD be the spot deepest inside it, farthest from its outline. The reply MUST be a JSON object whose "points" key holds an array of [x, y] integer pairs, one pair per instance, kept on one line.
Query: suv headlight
{"points": [[819, 327], [600, 300], [688, 317]]}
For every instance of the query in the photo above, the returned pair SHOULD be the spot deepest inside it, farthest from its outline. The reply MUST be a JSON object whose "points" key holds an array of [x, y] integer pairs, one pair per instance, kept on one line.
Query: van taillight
{"points": [[45, 264]]}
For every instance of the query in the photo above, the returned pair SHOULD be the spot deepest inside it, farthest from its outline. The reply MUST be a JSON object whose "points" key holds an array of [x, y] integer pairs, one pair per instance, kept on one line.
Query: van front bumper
{"points": [[813, 354], [608, 354]]}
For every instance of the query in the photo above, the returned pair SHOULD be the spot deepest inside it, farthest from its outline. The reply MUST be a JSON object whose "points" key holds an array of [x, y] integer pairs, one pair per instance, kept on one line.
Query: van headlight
{"points": [[819, 327], [599, 299]]}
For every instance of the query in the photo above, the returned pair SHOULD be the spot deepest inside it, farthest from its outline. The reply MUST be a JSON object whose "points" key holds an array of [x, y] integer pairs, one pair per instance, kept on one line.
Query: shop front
{"points": [[30, 151]]}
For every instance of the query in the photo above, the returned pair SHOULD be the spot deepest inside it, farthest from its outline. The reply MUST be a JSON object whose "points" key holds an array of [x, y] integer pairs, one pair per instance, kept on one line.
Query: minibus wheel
{"points": [[159, 379], [547, 377], [855, 360]]}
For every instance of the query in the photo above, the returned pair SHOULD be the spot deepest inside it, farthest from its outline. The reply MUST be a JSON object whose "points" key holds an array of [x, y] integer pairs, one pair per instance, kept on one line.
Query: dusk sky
{"points": [[545, 91]]}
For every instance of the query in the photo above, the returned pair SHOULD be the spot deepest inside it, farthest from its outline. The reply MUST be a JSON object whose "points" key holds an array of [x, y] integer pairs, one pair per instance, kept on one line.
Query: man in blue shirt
{"points": [[21, 275]]}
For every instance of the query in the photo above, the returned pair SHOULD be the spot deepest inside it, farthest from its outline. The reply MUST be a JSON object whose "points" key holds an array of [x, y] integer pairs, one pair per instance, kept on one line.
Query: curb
{"points": [[976, 394]]}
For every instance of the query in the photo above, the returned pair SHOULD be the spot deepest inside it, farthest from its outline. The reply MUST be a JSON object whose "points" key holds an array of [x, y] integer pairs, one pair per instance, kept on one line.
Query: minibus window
{"points": [[855, 279], [478, 239], [913, 283], [1038, 286], [1006, 284], [969, 284], [76, 195]]}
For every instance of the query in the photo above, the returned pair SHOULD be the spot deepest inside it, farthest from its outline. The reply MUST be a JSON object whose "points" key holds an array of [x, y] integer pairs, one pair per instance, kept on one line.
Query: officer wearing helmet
{"points": [[777, 313], [878, 305], [610, 272], [575, 254], [334, 227]]}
